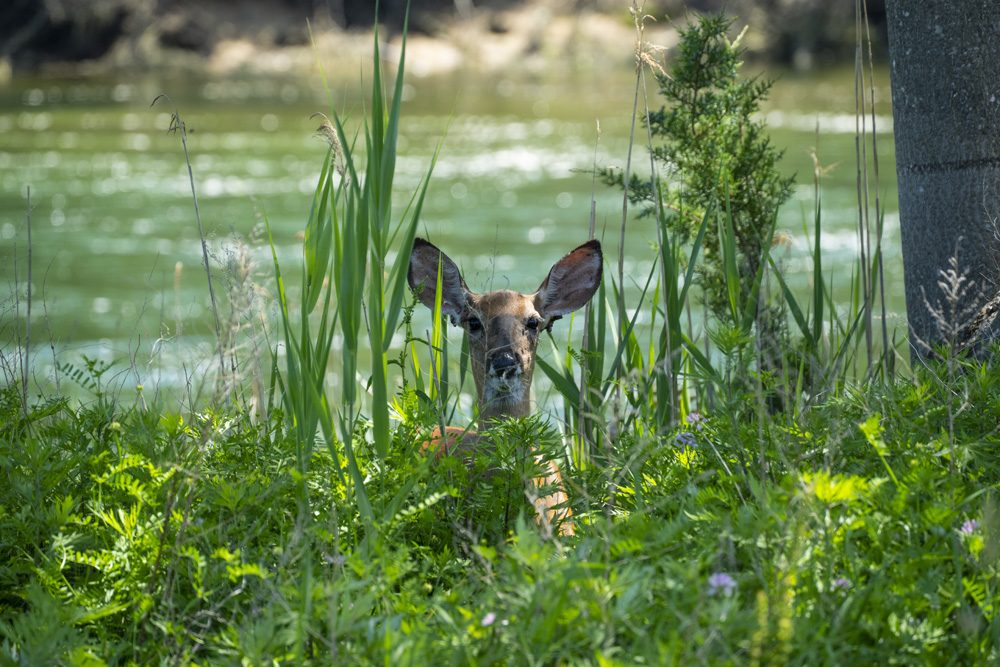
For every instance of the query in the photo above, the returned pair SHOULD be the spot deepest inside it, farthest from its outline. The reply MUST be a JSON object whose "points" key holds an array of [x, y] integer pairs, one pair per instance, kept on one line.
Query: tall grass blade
{"points": [[817, 276], [727, 250]]}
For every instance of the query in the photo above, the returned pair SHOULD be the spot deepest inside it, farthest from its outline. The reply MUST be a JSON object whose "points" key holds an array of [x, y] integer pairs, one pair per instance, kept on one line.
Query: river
{"points": [[116, 258]]}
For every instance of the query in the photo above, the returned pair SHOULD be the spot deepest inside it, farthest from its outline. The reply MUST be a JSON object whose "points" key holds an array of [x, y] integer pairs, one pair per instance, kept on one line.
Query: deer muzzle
{"points": [[505, 366]]}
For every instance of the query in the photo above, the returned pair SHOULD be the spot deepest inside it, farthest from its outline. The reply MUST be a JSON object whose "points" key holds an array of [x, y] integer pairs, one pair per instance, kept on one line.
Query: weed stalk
{"points": [[178, 126]]}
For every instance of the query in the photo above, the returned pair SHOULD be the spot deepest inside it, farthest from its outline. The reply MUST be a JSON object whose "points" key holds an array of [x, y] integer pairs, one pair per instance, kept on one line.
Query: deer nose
{"points": [[504, 365]]}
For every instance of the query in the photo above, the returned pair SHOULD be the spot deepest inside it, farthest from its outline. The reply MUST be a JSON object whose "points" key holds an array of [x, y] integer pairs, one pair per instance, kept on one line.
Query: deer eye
{"points": [[474, 324], [532, 324]]}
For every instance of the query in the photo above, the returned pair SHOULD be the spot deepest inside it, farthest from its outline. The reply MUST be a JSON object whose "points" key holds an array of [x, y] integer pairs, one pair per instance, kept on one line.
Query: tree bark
{"points": [[945, 67]]}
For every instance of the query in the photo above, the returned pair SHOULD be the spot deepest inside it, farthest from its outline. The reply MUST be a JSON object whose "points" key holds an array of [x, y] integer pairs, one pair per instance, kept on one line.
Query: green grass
{"points": [[131, 535], [827, 512]]}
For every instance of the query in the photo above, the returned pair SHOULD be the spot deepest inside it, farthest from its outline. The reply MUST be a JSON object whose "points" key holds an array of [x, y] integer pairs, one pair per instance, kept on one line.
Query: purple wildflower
{"points": [[685, 439], [969, 527], [720, 582], [695, 419], [842, 583], [488, 619]]}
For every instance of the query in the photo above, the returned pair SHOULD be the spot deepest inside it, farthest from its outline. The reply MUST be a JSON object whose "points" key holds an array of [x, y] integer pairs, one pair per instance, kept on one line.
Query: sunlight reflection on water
{"points": [[511, 192]]}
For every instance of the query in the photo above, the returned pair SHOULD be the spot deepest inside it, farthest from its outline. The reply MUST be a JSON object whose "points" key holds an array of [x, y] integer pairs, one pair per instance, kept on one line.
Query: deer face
{"points": [[503, 326]]}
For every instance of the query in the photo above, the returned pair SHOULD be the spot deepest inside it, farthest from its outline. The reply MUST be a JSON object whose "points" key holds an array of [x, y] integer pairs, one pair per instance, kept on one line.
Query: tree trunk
{"points": [[945, 60]]}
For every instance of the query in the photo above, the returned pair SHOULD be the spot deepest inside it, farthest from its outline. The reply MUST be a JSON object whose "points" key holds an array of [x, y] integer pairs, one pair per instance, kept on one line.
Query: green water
{"points": [[116, 257]]}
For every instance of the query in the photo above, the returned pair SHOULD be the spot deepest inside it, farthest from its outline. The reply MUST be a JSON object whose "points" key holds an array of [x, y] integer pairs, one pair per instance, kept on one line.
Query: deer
{"points": [[503, 328]]}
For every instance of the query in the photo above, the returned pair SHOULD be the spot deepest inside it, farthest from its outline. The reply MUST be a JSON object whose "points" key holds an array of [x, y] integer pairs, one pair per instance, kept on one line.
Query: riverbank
{"points": [[266, 36]]}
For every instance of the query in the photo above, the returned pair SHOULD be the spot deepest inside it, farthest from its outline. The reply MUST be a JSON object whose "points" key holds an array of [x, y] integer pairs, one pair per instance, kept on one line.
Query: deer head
{"points": [[504, 326]]}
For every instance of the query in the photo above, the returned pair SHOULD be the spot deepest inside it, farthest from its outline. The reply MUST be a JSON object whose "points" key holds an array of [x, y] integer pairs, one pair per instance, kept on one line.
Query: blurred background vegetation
{"points": [[140, 32]]}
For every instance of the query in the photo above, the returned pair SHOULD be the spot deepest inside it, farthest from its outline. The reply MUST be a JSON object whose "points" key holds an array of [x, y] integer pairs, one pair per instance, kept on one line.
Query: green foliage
{"points": [[346, 243], [715, 154], [873, 536], [715, 197]]}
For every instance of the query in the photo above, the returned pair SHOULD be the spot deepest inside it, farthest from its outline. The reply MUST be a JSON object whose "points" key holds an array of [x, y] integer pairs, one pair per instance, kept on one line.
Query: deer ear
{"points": [[422, 276], [571, 282]]}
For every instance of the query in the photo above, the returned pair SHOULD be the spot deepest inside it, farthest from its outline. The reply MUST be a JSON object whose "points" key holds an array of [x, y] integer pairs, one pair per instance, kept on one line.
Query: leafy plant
{"points": [[347, 239], [715, 155]]}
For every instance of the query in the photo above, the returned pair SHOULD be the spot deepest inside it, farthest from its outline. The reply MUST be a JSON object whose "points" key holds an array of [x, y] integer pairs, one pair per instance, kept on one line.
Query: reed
{"points": [[349, 291]]}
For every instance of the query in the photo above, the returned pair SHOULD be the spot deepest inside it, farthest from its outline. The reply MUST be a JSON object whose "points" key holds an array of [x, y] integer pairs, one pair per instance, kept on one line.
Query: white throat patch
{"points": [[503, 392]]}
